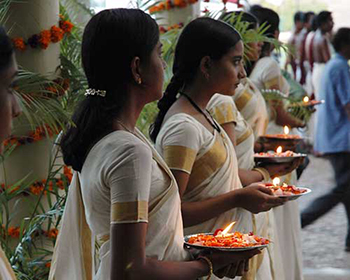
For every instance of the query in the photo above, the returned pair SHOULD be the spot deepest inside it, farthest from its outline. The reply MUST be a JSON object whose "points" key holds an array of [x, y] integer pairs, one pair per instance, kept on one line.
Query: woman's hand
{"points": [[257, 198], [231, 264], [280, 169]]}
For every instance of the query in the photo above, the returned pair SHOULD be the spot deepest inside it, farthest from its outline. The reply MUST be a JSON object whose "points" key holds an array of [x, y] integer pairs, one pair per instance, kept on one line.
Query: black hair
{"points": [[245, 17], [341, 39], [111, 39], [201, 37], [314, 24], [6, 50], [299, 16], [253, 24], [269, 17], [307, 16], [323, 17]]}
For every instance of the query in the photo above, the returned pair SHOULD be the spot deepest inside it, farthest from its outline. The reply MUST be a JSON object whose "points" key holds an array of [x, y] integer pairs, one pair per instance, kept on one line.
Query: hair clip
{"points": [[91, 91]]}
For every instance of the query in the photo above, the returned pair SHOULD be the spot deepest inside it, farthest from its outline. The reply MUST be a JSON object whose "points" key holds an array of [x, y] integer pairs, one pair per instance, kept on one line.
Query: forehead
{"points": [[237, 50]]}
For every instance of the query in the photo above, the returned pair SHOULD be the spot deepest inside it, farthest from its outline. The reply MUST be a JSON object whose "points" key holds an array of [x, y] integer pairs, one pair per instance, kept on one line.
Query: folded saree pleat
{"points": [[73, 253], [262, 267]]}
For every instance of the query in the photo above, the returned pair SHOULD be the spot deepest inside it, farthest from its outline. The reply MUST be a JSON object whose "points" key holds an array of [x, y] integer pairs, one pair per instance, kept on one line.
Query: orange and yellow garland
{"points": [[45, 37], [171, 4], [38, 187], [38, 134]]}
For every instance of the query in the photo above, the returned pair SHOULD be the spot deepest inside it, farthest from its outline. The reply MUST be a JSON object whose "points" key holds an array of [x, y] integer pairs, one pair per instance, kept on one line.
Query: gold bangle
{"points": [[210, 264], [263, 172]]}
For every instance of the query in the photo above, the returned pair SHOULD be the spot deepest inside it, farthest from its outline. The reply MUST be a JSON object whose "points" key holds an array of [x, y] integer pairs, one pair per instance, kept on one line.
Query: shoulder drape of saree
{"points": [[6, 271], [251, 104], [223, 180], [73, 253]]}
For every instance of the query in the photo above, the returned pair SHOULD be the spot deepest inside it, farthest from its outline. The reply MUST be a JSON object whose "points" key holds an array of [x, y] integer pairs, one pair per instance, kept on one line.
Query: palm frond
{"points": [[5, 8], [40, 105]]}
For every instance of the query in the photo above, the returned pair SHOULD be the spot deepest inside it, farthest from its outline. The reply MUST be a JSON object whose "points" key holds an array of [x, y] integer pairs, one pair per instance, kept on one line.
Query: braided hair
{"points": [[201, 37]]}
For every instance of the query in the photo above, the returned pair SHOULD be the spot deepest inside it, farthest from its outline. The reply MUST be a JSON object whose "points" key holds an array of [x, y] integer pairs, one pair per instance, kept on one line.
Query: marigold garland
{"points": [[171, 4], [163, 29], [14, 232], [38, 187], [45, 37], [38, 134]]}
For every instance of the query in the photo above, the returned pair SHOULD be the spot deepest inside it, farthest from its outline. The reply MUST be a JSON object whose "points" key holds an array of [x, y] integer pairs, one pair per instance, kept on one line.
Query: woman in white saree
{"points": [[122, 196], [9, 109], [266, 74], [208, 59]]}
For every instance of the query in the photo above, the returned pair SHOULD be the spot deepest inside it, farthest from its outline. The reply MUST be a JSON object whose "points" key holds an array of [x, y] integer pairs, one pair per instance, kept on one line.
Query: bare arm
{"points": [[129, 261], [283, 117], [254, 198], [129, 257]]}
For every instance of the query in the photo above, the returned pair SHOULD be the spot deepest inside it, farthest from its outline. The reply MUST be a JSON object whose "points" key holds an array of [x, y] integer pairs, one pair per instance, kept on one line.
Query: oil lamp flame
{"points": [[276, 181], [228, 228], [279, 150], [286, 130], [306, 99]]}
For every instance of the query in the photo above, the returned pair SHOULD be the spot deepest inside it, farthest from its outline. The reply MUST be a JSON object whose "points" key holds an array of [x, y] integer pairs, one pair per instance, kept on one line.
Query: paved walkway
{"points": [[323, 242]]}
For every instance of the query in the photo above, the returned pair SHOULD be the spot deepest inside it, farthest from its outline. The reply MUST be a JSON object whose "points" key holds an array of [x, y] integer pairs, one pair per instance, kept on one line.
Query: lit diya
{"points": [[289, 191], [307, 102], [281, 137], [277, 157], [224, 241]]}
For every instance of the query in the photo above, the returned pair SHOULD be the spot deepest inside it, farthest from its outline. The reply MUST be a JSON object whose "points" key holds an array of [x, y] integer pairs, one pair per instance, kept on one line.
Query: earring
{"points": [[139, 80]]}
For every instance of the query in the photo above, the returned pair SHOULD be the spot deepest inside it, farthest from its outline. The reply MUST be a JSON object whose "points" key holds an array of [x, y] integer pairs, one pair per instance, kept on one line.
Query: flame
{"points": [[276, 181], [279, 150], [228, 228], [306, 99], [286, 130]]}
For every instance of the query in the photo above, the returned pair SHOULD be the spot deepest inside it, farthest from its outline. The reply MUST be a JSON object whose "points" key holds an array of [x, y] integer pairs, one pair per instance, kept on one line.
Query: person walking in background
{"points": [[295, 42], [321, 48], [304, 67], [333, 131]]}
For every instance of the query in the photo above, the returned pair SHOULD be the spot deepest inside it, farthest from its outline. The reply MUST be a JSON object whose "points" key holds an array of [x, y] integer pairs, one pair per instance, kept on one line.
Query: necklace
{"points": [[210, 120], [124, 126]]}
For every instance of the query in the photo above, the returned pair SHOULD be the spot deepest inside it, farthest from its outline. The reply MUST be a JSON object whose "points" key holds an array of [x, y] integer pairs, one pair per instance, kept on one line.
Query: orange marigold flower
{"points": [[56, 34], [59, 184], [48, 264], [13, 189], [19, 43], [45, 39], [66, 26], [13, 232], [192, 1], [52, 233], [50, 186]]}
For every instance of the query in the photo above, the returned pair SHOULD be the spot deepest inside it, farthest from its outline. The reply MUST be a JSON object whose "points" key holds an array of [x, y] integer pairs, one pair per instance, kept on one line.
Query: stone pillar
{"points": [[31, 17], [26, 19]]}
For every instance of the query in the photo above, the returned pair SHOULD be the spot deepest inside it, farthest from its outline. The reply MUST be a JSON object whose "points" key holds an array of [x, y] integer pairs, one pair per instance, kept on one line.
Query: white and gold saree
{"points": [[210, 160], [267, 75], [251, 104], [267, 265], [123, 180]]}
